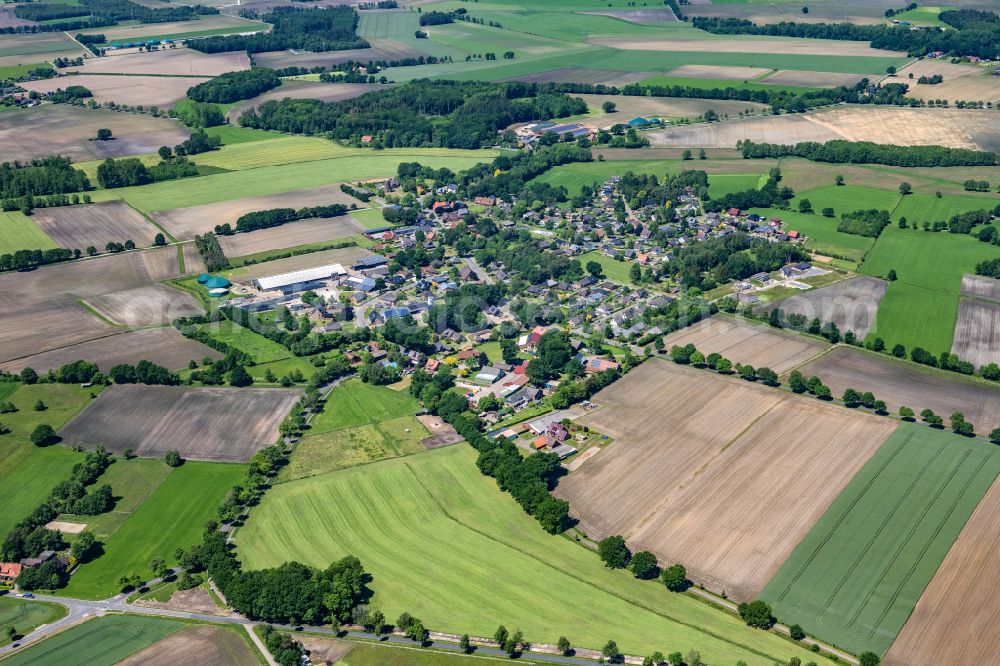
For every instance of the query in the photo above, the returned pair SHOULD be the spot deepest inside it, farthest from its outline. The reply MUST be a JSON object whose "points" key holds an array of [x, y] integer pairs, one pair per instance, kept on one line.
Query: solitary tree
{"points": [[173, 459], [644, 565], [609, 107], [500, 635], [159, 240], [995, 436], [159, 567], [757, 614], [43, 435], [686, 155], [40, 406], [104, 134], [564, 646], [905, 188], [463, 643], [838, 180], [891, 275], [795, 631], [675, 578], [376, 620], [611, 652], [614, 552], [868, 659]]}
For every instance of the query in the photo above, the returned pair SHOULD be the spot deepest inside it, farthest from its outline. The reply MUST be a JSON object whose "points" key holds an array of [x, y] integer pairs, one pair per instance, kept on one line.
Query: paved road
{"points": [[478, 270]]}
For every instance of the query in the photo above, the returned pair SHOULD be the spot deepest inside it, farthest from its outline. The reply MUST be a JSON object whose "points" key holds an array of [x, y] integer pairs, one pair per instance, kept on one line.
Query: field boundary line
{"points": [[927, 545], [550, 565], [149, 219], [94, 311], [843, 517], [877, 532]]}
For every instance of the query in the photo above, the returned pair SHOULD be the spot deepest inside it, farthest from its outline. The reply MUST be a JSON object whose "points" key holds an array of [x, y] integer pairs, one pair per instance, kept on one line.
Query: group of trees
{"points": [[719, 260], [69, 95], [27, 259], [198, 114], [47, 175], [235, 86], [448, 114], [615, 554], [211, 252], [100, 13], [275, 217], [321, 29], [866, 152], [868, 223], [130, 171]]}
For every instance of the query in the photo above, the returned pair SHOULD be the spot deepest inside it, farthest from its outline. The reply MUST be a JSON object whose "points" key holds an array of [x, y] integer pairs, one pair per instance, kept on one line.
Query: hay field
{"points": [[975, 129], [290, 235], [608, 77], [903, 383], [961, 82], [790, 77], [977, 332], [94, 224], [325, 92], [346, 256], [851, 304], [442, 542], [164, 346], [61, 129], [717, 72], [197, 645], [978, 286], [726, 478], [857, 575], [177, 62], [955, 621], [20, 232], [146, 91], [185, 223], [218, 424], [744, 342]]}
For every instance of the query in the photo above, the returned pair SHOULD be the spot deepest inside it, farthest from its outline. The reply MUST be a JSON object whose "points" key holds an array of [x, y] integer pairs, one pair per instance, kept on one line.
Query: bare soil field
{"points": [[717, 72], [325, 92], [29, 48], [145, 306], [788, 77], [977, 286], [956, 619], [161, 91], [961, 82], [185, 223], [608, 77], [65, 527], [124, 33], [901, 383], [325, 650], [668, 107], [8, 20], [216, 424], [176, 62], [61, 129], [721, 475], [851, 304], [640, 16], [345, 256], [195, 600], [743, 44], [850, 11], [442, 434], [195, 646], [48, 299], [977, 332], [94, 224], [193, 261], [290, 235], [975, 129], [164, 346], [743, 342]]}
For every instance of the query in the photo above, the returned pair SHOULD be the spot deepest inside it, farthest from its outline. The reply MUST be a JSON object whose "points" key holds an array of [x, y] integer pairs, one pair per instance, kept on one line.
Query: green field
{"points": [[24, 616], [102, 641], [920, 307], [925, 16], [171, 517], [260, 348], [848, 198], [575, 175], [355, 403], [29, 473], [132, 481], [920, 208], [18, 232], [17, 71], [616, 271], [822, 232], [712, 84], [388, 654], [720, 185], [443, 543], [285, 178], [370, 218], [231, 134], [857, 575]]}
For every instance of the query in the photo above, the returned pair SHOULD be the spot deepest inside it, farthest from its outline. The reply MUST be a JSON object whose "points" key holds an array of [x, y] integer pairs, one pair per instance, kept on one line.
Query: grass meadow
{"points": [[920, 307], [102, 641], [355, 403], [18, 232], [614, 270], [857, 575], [721, 84], [260, 348], [131, 481], [822, 232], [442, 543], [171, 517]]}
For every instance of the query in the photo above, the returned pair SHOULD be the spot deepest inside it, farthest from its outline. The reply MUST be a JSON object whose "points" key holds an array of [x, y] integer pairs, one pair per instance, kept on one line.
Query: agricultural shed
{"points": [[299, 280]]}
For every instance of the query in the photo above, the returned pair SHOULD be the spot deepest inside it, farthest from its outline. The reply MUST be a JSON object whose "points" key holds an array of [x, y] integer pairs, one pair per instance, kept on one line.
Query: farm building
{"points": [[299, 280]]}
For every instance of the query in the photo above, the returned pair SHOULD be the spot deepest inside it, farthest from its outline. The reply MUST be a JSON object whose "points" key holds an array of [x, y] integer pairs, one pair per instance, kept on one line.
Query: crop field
{"points": [[954, 619], [164, 345], [608, 77], [61, 129], [956, 128], [220, 24], [172, 517], [901, 383], [920, 208], [857, 575], [808, 49], [355, 403], [743, 342], [161, 91], [19, 232], [718, 72], [961, 82], [351, 166], [661, 107], [144, 306], [443, 543], [23, 616], [273, 152], [176, 62], [203, 424], [852, 304], [196, 645], [726, 479], [185, 223], [36, 47], [102, 641], [94, 224], [847, 199], [325, 92], [920, 308], [977, 332], [788, 77]]}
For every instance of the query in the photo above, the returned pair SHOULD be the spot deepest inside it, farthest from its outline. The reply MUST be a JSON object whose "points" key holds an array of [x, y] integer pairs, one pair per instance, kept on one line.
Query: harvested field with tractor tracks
{"points": [[977, 332], [196, 645], [851, 304], [171, 62], [94, 224], [290, 235]]}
